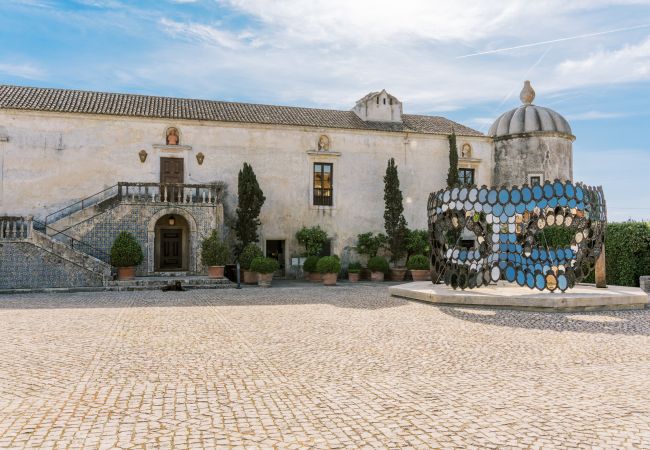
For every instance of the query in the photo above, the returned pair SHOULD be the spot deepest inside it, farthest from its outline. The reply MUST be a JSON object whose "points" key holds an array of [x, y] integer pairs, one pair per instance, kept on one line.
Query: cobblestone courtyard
{"points": [[307, 366]]}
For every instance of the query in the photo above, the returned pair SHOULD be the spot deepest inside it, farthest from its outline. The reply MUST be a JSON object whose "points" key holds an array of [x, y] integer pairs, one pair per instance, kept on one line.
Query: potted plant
{"points": [[378, 268], [215, 254], [309, 267], [246, 257], [329, 267], [126, 253], [264, 268], [419, 267], [354, 272]]}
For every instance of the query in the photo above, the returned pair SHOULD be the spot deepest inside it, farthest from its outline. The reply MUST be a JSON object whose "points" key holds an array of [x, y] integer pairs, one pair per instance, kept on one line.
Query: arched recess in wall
{"points": [[192, 239]]}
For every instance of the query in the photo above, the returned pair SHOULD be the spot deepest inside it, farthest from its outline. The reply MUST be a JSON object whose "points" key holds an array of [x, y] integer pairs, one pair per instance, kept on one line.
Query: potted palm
{"points": [[310, 269], [264, 268], [354, 272], [419, 267], [126, 253], [329, 267], [378, 267], [215, 254], [248, 254]]}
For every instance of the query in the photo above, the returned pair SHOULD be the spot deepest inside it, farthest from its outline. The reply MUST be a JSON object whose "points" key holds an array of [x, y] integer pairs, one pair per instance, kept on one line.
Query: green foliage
{"points": [[554, 236], [354, 267], [394, 222], [378, 264], [418, 262], [126, 251], [310, 264], [250, 201], [214, 252], [417, 242], [264, 265], [313, 239], [369, 244], [627, 252], [248, 254], [452, 175], [328, 264]]}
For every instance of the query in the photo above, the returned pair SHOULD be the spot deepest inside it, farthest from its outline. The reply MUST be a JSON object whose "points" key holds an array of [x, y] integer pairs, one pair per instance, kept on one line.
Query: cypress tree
{"points": [[394, 221], [452, 176], [250, 201]]}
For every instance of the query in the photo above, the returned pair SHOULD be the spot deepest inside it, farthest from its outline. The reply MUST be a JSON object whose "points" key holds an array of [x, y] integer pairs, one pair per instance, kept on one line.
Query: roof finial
{"points": [[527, 94]]}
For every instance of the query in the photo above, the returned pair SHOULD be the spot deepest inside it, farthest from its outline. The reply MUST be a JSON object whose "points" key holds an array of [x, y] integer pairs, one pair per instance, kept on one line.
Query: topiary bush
{"points": [[214, 252], [418, 262], [554, 236], [328, 264], [313, 239], [248, 254], [378, 264], [354, 267], [264, 265], [126, 251], [369, 244], [627, 252], [417, 242], [310, 264]]}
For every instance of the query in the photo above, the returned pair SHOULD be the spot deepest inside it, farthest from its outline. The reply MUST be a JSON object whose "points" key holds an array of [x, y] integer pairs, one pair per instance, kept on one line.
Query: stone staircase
{"points": [[158, 282]]}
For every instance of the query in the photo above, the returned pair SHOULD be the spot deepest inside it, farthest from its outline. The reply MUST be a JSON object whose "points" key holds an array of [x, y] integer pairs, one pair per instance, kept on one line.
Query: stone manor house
{"points": [[78, 167]]}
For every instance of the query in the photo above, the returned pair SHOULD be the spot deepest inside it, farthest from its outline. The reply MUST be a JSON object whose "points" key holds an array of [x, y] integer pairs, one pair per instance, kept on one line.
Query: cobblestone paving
{"points": [[314, 367]]}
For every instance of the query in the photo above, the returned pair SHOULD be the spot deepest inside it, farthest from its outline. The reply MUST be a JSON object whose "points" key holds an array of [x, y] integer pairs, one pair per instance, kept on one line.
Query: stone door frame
{"points": [[192, 264]]}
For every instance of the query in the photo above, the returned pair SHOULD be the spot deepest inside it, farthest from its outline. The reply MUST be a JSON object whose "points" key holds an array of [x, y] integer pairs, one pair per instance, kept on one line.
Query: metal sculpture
{"points": [[504, 225]]}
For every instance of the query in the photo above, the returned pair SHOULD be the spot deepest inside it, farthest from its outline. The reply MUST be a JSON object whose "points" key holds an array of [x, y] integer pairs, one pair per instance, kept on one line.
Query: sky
{"points": [[466, 60]]}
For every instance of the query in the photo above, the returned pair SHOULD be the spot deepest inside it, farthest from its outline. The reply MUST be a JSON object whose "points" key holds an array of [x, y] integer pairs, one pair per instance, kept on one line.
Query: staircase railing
{"points": [[15, 228], [73, 242], [196, 194], [91, 200]]}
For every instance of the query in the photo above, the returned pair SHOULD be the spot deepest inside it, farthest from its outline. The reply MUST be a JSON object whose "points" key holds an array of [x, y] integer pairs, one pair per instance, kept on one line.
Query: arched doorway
{"points": [[172, 243]]}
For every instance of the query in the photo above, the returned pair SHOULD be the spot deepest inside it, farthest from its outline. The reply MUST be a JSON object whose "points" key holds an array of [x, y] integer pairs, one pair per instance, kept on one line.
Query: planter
{"points": [[354, 277], [420, 275], [397, 274], [377, 276], [215, 271], [250, 277], [329, 279], [126, 273], [315, 277], [264, 279]]}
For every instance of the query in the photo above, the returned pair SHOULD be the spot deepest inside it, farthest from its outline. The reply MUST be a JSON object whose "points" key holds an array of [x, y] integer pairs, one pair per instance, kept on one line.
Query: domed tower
{"points": [[531, 144]]}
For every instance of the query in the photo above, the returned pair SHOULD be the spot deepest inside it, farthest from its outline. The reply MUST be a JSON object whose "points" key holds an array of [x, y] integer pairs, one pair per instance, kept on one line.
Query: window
{"points": [[466, 176], [323, 185], [535, 179]]}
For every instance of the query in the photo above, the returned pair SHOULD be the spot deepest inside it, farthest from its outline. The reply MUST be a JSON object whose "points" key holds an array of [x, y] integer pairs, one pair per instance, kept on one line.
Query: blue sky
{"points": [[587, 59]]}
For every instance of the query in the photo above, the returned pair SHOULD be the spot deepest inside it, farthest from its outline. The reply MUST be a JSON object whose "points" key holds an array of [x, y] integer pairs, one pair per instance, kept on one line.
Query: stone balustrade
{"points": [[196, 194], [14, 228]]}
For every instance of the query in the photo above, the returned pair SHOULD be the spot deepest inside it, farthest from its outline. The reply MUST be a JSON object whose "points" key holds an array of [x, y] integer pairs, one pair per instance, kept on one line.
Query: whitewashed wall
{"points": [[52, 159]]}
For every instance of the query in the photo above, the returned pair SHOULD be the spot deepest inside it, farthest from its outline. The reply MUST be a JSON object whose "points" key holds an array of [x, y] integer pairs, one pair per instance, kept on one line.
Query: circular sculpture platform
{"points": [[581, 298]]}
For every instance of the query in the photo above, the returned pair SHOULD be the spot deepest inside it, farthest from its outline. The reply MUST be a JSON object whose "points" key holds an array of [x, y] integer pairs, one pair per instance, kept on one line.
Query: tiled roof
{"points": [[86, 102]]}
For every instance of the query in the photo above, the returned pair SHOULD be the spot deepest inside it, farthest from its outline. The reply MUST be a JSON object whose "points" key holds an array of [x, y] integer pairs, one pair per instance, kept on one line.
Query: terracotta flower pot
{"points": [[354, 277], [329, 279], [264, 279], [126, 273], [397, 274], [315, 277], [250, 277], [377, 276], [420, 275], [215, 271]]}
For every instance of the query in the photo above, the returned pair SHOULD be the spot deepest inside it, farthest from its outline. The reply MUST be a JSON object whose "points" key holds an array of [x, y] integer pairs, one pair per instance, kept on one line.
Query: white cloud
{"points": [[202, 33], [594, 115], [27, 71]]}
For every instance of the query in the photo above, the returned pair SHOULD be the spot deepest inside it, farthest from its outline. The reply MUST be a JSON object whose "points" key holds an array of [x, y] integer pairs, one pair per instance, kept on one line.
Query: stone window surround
{"points": [[529, 175]]}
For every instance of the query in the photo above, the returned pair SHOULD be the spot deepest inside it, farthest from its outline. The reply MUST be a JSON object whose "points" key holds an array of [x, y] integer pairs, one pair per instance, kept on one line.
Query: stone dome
{"points": [[529, 118]]}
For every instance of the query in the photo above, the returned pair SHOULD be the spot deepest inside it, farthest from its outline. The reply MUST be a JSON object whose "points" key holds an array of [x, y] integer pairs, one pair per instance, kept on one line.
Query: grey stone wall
{"points": [[644, 282], [517, 157], [139, 219], [26, 266]]}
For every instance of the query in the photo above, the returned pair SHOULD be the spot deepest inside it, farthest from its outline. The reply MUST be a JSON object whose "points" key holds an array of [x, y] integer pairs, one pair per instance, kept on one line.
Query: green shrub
{"points": [[369, 244], [328, 264], [378, 264], [126, 251], [310, 264], [554, 236], [417, 242], [264, 265], [214, 252], [354, 267], [313, 239], [248, 254], [418, 262], [627, 252]]}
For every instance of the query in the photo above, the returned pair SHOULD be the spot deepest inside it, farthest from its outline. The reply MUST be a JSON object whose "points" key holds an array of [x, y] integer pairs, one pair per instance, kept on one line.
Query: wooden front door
{"points": [[171, 246], [171, 170]]}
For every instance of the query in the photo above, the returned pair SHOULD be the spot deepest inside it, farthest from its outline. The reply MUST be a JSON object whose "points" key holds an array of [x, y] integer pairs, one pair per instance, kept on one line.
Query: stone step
{"points": [[156, 282]]}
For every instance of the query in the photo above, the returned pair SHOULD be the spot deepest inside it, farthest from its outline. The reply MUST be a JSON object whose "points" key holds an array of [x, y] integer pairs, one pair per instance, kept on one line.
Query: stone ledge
{"points": [[582, 297]]}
